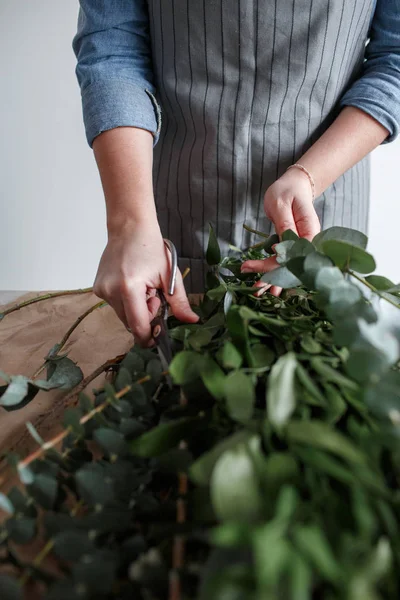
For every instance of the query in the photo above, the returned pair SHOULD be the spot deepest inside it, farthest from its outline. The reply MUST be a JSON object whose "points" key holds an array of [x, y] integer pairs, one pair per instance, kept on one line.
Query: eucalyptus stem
{"points": [[44, 297], [54, 441], [251, 230], [69, 332], [372, 288]]}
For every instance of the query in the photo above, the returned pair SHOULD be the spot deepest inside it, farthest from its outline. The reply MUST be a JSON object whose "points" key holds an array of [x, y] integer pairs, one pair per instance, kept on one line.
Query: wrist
{"points": [[300, 172], [118, 225]]}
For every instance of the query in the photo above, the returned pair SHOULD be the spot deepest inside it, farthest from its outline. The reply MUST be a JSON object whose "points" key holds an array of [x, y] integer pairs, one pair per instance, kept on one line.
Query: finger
{"points": [[117, 305], [307, 221], [275, 290], [153, 304], [263, 287], [137, 313], [179, 302], [259, 266], [281, 214]]}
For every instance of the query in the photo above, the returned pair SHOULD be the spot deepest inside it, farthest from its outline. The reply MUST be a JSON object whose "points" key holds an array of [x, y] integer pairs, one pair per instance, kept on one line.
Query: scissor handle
{"points": [[174, 266]]}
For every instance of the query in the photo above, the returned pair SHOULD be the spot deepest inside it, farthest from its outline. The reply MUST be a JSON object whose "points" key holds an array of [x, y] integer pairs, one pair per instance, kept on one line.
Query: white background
{"points": [[52, 225]]}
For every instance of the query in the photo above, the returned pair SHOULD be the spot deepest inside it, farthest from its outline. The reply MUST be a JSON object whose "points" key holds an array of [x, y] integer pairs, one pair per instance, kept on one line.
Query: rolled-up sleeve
{"points": [[377, 91], [114, 68]]}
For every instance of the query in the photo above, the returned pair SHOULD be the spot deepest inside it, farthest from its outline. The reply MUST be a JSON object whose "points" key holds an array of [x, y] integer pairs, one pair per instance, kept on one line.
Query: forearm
{"points": [[352, 135], [124, 157]]}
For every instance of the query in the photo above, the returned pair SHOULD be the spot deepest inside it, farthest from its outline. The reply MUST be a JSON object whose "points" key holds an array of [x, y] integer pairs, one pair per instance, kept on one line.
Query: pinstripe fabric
{"points": [[246, 87]]}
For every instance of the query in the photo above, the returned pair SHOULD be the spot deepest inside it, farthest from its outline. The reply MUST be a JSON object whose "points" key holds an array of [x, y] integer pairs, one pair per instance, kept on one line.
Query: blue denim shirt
{"points": [[114, 71]]}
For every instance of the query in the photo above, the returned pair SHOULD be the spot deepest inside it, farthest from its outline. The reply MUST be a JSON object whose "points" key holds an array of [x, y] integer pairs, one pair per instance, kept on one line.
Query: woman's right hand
{"points": [[134, 264]]}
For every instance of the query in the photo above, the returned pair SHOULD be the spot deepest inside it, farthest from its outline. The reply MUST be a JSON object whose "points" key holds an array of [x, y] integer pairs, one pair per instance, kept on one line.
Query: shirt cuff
{"points": [[379, 105], [111, 103]]}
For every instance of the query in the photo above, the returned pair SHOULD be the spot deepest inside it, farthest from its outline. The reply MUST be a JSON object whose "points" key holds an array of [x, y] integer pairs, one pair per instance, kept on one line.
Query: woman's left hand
{"points": [[288, 204]]}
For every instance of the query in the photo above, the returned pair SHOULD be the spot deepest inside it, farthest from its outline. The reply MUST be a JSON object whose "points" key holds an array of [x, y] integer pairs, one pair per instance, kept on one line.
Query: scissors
{"points": [[159, 330]]}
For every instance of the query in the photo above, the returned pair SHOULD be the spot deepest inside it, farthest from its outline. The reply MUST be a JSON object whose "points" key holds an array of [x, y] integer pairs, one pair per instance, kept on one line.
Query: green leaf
{"points": [[289, 234], [213, 253], [96, 572], [301, 247], [164, 437], [282, 251], [111, 441], [10, 588], [332, 375], [310, 345], [328, 279], [93, 486], [123, 379], [200, 471], [230, 535], [281, 395], [309, 384], [63, 373], [213, 377], [72, 545], [313, 263], [5, 504], [228, 300], [21, 530], [271, 241], [313, 543], [383, 398], [186, 367], [344, 234], [321, 435], [15, 391], [199, 338], [235, 493], [44, 490], [26, 474], [262, 356], [301, 577], [270, 565], [345, 256], [380, 283], [231, 357], [240, 396], [71, 418], [281, 277]]}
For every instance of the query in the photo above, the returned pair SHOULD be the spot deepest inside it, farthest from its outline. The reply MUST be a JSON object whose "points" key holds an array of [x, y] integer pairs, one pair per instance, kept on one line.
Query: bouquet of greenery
{"points": [[268, 471]]}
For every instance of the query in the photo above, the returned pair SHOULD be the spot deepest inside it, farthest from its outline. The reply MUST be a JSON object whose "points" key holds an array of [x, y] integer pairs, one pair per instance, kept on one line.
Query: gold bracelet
{"points": [[310, 177]]}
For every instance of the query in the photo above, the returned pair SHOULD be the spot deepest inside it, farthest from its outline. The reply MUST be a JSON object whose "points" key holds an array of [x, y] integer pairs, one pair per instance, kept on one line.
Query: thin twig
{"points": [[186, 272], [44, 297], [69, 332]]}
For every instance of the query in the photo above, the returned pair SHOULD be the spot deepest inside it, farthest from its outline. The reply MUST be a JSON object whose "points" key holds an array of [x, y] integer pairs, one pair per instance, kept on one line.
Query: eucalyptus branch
{"points": [[53, 442], [44, 297], [69, 332], [373, 289]]}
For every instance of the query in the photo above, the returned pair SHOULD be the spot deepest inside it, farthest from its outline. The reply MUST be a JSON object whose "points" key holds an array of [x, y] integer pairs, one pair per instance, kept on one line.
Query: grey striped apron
{"points": [[246, 87]]}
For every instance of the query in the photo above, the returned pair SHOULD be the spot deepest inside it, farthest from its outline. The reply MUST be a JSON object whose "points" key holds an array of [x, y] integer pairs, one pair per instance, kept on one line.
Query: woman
{"points": [[229, 94]]}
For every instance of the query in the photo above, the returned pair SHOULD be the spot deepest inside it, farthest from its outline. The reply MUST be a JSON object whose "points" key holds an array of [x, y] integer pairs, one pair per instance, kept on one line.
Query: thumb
{"points": [[179, 302], [307, 221]]}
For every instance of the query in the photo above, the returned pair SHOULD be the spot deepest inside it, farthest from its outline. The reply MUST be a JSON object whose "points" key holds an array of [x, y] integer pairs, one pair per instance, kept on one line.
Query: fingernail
{"points": [[245, 270]]}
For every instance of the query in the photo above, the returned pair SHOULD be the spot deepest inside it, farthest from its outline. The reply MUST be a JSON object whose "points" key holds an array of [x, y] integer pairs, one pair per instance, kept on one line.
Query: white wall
{"points": [[52, 225]]}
